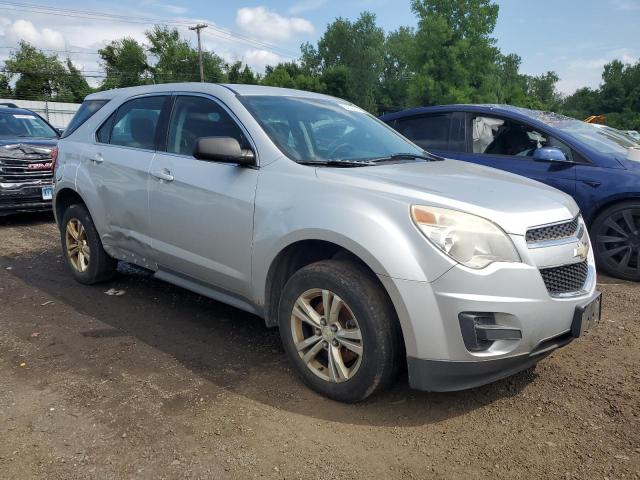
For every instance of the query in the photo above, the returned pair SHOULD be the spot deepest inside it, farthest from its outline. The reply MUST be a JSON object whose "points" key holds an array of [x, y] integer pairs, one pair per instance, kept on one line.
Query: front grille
{"points": [[553, 232], [17, 170], [565, 279]]}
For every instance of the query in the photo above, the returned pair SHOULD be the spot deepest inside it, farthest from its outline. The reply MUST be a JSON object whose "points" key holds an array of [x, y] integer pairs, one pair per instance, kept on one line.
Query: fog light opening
{"points": [[480, 331]]}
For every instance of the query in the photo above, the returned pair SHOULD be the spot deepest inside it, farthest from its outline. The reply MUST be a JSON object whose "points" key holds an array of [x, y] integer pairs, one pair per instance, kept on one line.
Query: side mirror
{"points": [[60, 131], [549, 154], [223, 149]]}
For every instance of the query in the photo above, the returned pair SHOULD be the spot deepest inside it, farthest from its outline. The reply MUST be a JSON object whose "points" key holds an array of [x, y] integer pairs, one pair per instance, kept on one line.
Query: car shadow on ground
{"points": [[231, 348], [26, 219]]}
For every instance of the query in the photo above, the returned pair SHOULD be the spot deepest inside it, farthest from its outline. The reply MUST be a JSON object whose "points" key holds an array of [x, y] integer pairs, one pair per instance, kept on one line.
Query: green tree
{"points": [[5, 87], [178, 61], [357, 46], [337, 81], [291, 75], [38, 75], [236, 73], [125, 63], [397, 70], [513, 85], [73, 86], [542, 91], [454, 56]]}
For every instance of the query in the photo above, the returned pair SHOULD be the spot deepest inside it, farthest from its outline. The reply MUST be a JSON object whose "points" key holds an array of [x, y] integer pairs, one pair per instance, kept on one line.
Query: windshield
{"points": [[319, 130], [24, 125], [603, 139]]}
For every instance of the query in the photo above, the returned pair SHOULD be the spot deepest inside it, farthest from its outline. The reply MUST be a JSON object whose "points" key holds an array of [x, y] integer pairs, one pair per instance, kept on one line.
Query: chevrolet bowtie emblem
{"points": [[581, 251]]}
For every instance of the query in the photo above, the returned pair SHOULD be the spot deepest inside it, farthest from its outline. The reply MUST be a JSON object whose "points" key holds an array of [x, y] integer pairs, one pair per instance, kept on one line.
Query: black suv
{"points": [[28, 151]]}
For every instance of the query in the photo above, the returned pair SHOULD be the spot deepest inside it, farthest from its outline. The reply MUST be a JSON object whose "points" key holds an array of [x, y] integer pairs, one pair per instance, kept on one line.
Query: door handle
{"points": [[97, 158], [164, 174]]}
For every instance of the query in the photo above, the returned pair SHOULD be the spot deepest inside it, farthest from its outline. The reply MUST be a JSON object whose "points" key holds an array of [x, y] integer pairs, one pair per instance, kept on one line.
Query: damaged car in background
{"points": [[28, 150]]}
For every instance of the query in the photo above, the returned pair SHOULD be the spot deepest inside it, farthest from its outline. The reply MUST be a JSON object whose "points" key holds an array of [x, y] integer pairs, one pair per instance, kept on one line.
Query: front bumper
{"points": [[19, 198], [446, 376], [514, 293]]}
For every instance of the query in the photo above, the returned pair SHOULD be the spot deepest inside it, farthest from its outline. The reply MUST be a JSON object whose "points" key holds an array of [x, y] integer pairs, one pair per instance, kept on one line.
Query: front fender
{"points": [[376, 228]]}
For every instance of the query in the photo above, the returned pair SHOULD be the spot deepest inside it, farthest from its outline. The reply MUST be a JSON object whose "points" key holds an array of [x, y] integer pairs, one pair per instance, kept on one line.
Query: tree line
{"points": [[449, 57]]}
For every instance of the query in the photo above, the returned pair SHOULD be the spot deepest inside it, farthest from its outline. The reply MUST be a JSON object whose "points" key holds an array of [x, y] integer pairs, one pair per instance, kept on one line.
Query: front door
{"points": [[509, 145], [201, 212]]}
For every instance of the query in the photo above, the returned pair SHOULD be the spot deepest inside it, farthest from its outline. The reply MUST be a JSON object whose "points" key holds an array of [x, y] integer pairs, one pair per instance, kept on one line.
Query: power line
{"points": [[17, 47], [215, 32]]}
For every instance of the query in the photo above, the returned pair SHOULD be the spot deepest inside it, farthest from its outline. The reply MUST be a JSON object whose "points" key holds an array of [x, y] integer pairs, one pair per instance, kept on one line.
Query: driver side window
{"points": [[500, 136], [198, 117]]}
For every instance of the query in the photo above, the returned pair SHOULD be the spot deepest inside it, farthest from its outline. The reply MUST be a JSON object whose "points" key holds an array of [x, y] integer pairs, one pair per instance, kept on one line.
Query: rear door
{"points": [[201, 211], [118, 164], [506, 144], [440, 133]]}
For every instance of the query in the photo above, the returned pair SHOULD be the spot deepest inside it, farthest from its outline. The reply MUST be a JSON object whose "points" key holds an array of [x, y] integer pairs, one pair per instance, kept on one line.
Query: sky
{"points": [[575, 38]]}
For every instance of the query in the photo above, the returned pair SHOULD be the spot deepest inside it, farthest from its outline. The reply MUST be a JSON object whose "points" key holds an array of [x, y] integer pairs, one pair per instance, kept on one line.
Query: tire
{"points": [[361, 305], [77, 226], [615, 234]]}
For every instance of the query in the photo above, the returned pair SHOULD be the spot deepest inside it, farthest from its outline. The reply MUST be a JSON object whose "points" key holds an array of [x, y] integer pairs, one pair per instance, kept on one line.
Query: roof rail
{"points": [[8, 104]]}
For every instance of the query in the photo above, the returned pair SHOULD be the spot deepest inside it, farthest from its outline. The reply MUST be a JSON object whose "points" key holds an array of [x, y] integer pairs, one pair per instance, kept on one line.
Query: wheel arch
{"points": [[300, 253], [63, 200], [610, 202]]}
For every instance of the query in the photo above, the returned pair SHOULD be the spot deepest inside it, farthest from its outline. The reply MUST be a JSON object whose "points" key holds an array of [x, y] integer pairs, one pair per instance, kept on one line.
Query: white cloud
{"points": [[259, 59], [167, 7], [587, 72], [25, 30], [306, 6], [626, 5], [263, 23]]}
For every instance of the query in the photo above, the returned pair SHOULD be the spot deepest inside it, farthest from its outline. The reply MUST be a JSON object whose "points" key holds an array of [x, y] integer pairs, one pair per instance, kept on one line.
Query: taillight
{"points": [[54, 157]]}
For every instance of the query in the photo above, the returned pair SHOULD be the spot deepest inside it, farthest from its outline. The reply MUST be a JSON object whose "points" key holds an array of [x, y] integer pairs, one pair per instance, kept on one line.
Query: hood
{"points": [[30, 149], [513, 202], [631, 165]]}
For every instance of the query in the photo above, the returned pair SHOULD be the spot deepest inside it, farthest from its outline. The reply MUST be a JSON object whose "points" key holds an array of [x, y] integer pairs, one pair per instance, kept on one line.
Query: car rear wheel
{"points": [[82, 248], [616, 236], [339, 330]]}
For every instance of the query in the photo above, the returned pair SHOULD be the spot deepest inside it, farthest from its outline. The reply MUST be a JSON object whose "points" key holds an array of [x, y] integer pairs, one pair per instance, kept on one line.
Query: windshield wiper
{"points": [[409, 156], [338, 163]]}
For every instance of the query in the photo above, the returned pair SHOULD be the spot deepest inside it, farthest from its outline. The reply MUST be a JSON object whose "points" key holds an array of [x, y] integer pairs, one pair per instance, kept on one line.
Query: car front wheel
{"points": [[339, 330]]}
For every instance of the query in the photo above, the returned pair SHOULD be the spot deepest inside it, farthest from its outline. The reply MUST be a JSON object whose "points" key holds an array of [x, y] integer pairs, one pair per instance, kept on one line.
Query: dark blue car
{"points": [[589, 163]]}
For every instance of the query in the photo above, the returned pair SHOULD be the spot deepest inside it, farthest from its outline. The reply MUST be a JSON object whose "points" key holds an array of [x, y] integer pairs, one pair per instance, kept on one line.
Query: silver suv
{"points": [[366, 251]]}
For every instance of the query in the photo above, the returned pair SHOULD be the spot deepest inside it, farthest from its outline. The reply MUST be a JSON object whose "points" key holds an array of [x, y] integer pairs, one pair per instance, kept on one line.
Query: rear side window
{"points": [[431, 132], [134, 124], [84, 113]]}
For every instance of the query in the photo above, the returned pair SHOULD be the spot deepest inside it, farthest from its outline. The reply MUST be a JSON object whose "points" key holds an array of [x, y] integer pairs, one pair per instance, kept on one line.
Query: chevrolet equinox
{"points": [[365, 250]]}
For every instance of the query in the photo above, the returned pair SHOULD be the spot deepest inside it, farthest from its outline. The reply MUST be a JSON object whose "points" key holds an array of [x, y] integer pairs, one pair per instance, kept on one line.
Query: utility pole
{"points": [[197, 28]]}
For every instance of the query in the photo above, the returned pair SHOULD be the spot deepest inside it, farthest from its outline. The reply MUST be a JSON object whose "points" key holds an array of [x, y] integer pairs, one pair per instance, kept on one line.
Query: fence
{"points": [[57, 114]]}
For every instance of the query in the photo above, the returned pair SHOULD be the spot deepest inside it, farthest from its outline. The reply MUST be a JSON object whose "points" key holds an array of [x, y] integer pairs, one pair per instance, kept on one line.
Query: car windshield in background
{"points": [[24, 125], [318, 130], [599, 138]]}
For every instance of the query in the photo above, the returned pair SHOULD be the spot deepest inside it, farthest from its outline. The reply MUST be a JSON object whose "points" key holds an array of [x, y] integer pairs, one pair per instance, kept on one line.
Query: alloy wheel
{"points": [[326, 335], [618, 241], [77, 245]]}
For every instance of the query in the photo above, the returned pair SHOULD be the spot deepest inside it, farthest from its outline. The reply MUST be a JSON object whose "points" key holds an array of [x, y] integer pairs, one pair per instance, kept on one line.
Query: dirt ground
{"points": [[161, 383]]}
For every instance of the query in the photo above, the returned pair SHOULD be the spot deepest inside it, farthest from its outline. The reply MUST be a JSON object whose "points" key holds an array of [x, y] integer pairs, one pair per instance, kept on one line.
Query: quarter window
{"points": [[84, 113], [197, 117], [134, 124]]}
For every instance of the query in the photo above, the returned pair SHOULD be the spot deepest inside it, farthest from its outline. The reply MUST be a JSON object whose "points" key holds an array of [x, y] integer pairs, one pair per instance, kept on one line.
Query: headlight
{"points": [[470, 240]]}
